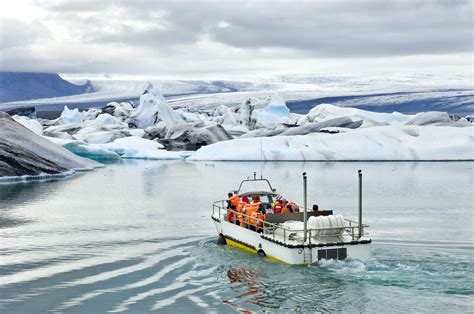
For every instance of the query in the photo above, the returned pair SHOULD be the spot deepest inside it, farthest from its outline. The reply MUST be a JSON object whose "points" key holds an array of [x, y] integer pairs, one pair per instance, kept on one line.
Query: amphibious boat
{"points": [[297, 238]]}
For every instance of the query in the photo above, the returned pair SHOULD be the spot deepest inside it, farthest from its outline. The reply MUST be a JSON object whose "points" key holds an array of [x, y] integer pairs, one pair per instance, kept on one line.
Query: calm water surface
{"points": [[137, 236]]}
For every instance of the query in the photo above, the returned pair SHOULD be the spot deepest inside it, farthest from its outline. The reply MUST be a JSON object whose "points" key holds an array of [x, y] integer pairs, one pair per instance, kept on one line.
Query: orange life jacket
{"points": [[286, 209], [257, 219], [240, 210], [234, 200], [252, 212], [249, 210], [293, 205]]}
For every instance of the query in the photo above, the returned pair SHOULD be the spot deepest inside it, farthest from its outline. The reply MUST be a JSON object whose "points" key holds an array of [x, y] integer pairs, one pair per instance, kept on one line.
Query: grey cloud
{"points": [[14, 33], [323, 28], [161, 35]]}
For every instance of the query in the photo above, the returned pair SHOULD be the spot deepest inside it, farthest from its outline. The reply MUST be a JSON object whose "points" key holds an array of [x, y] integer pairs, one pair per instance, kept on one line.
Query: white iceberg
{"points": [[275, 112], [106, 119], [140, 148], [438, 119], [101, 134], [395, 142], [324, 112], [69, 116], [83, 149], [152, 109], [127, 147], [31, 124]]}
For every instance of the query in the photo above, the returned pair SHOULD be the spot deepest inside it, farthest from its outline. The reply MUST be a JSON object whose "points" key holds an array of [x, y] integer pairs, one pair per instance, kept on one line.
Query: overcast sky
{"points": [[194, 39]]}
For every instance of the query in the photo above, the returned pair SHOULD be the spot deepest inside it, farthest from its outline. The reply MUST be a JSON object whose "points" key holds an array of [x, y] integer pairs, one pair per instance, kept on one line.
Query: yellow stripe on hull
{"points": [[250, 250], [240, 246]]}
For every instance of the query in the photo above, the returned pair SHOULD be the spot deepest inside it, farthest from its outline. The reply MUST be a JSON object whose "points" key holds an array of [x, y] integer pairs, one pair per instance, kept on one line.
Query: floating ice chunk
{"points": [[313, 127], [395, 142], [118, 110], [152, 109], [137, 132], [70, 116], [91, 114], [276, 112], [106, 119], [84, 149], [31, 124], [101, 134], [438, 119], [324, 112], [140, 148]]}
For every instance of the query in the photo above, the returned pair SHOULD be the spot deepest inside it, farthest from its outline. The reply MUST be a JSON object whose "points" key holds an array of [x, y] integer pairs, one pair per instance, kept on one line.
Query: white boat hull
{"points": [[254, 242]]}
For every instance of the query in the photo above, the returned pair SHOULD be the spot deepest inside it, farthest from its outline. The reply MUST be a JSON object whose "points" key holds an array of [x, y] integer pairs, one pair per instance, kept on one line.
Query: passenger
{"points": [[241, 210], [278, 207], [230, 214], [292, 207], [315, 208], [277, 198], [252, 211], [232, 200], [260, 217]]}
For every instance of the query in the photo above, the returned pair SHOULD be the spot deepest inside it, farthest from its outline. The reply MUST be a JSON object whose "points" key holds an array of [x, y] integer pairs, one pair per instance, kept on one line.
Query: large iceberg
{"points": [[377, 143], [152, 109], [26, 154]]}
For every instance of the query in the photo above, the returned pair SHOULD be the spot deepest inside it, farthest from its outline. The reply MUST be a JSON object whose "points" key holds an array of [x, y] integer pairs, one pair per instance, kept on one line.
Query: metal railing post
{"points": [[360, 205], [305, 217]]}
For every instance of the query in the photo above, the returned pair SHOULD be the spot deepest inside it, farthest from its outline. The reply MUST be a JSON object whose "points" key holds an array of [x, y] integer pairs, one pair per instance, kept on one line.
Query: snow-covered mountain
{"points": [[16, 86]]}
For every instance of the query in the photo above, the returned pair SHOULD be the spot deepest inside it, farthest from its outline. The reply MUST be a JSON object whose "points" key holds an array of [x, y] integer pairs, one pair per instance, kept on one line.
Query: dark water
{"points": [[137, 237]]}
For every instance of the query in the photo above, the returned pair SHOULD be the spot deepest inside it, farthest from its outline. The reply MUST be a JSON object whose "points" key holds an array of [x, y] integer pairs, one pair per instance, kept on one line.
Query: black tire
{"points": [[221, 240], [261, 253]]}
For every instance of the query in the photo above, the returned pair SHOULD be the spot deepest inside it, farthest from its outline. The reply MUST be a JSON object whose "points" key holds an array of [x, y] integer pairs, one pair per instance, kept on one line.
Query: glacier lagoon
{"points": [[137, 236]]}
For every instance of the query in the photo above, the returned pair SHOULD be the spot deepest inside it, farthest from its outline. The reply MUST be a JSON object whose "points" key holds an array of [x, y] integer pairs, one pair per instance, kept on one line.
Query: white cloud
{"points": [[223, 24], [191, 39]]}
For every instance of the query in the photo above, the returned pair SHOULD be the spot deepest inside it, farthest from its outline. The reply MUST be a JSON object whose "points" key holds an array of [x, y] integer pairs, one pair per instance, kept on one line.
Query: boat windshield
{"points": [[255, 185]]}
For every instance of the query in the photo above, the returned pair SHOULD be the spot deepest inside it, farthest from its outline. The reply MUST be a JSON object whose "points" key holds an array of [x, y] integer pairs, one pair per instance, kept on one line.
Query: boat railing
{"points": [[269, 228]]}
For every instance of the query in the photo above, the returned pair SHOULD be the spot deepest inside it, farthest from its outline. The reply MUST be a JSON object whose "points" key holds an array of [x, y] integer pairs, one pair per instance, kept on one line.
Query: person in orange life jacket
{"points": [[293, 208], [231, 214], [251, 210], [289, 207], [241, 209], [233, 199], [258, 215]]}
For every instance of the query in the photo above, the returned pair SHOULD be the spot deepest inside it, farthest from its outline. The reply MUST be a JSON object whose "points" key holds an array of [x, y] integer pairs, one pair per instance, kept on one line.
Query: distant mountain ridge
{"points": [[16, 86]]}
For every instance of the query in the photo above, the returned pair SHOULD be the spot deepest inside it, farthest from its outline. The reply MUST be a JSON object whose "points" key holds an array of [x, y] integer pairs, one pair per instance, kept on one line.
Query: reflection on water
{"points": [[136, 236]]}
